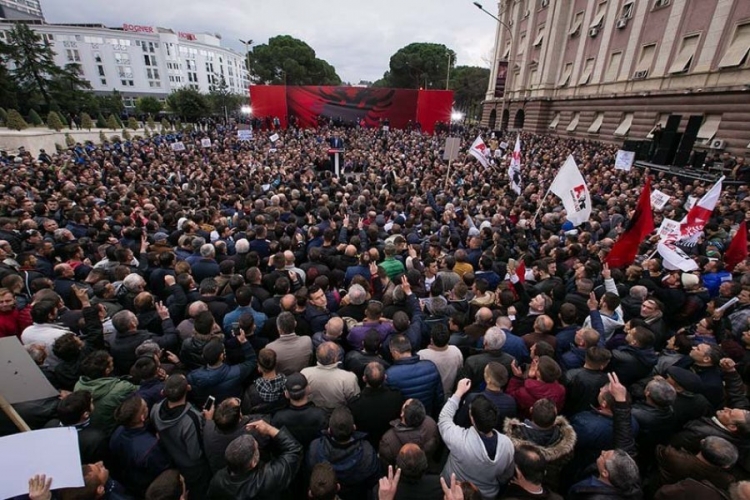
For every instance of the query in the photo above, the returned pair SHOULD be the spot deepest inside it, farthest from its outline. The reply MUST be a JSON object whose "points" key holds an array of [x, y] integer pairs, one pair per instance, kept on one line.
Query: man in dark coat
{"points": [[377, 405], [128, 337]]}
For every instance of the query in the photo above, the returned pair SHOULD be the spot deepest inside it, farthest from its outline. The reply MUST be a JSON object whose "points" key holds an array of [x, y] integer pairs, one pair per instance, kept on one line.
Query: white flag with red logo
{"points": [[570, 187], [479, 151], [692, 225], [514, 171]]}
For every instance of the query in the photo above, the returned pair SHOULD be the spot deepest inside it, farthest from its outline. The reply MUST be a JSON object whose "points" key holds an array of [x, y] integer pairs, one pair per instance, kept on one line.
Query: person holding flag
{"points": [[514, 171], [570, 186], [479, 151], [640, 226]]}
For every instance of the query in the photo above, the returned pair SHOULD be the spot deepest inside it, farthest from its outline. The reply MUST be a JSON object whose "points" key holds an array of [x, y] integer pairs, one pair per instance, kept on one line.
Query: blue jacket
{"points": [[595, 431], [515, 346], [138, 458], [418, 379], [712, 281], [234, 317], [223, 382], [574, 358], [204, 268]]}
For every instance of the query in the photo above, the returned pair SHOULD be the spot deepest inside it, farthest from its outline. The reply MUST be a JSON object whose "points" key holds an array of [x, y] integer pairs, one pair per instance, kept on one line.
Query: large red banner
{"points": [[353, 104]]}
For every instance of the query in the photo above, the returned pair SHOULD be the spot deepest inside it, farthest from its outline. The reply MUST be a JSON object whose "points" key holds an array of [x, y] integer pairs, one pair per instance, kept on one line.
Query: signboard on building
{"points": [[502, 74], [137, 28], [186, 36]]}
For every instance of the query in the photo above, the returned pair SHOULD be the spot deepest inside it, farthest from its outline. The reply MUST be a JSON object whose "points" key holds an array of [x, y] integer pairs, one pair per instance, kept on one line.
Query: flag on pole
{"points": [[479, 151], [737, 250], [570, 187], [694, 222], [641, 224], [514, 171]]}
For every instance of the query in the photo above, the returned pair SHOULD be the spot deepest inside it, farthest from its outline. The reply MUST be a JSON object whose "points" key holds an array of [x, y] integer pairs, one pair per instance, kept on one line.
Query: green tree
{"points": [[189, 104], [151, 124], [126, 134], [148, 105], [469, 84], [419, 65], [111, 104], [3, 115], [15, 121], [112, 122], [164, 125], [132, 123], [54, 122], [39, 81], [285, 60], [35, 119], [70, 91], [86, 121], [100, 121]]}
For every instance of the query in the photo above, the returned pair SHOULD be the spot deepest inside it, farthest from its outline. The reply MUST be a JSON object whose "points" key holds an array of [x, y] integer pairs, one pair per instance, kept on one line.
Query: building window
{"points": [[149, 60], [661, 122], [588, 69], [100, 69], [736, 54], [555, 121], [658, 4], [521, 44], [154, 84], [532, 77], [122, 58], [104, 81], [506, 54], [627, 9], [644, 62], [709, 128], [152, 73], [73, 55], [624, 127], [97, 57], [190, 65], [682, 62], [575, 26], [597, 123], [574, 122], [565, 77], [539, 36], [614, 67], [601, 10]]}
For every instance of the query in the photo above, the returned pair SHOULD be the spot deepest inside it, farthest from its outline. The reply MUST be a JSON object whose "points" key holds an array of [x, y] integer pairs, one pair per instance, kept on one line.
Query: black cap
{"points": [[686, 379], [296, 382]]}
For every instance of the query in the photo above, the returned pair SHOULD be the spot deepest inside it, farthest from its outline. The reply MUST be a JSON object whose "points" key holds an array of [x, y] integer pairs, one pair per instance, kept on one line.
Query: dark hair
{"points": [[568, 313], [267, 359], [67, 347], [128, 410], [70, 410], [227, 415], [531, 463], [498, 373], [41, 310], [167, 486], [400, 344], [412, 461], [549, 370], [374, 374], [372, 341], [643, 336], [203, 323], [212, 351], [144, 368], [414, 413], [341, 424], [175, 388], [598, 357], [440, 335], [323, 484], [95, 365], [484, 414], [544, 413]]}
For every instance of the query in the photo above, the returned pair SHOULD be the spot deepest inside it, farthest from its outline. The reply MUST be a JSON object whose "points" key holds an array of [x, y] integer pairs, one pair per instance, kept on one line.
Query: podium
{"points": [[336, 154]]}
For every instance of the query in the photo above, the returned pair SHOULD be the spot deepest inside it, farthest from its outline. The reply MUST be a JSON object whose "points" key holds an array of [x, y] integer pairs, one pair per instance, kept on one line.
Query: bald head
{"points": [[543, 324], [196, 308], [484, 315], [335, 327], [289, 257], [350, 251], [327, 354], [412, 461], [287, 302]]}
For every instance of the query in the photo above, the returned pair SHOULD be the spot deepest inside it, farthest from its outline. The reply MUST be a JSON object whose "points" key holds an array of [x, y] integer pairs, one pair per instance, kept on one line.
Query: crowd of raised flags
{"points": [[570, 186]]}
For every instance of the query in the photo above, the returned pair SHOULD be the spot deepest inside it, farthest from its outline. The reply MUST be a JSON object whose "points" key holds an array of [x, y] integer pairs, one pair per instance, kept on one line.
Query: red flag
{"points": [[521, 272], [737, 250], [641, 225]]}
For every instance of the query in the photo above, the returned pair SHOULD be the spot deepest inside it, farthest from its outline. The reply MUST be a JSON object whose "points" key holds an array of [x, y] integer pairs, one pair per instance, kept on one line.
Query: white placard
{"points": [[206, 143], [659, 199], [53, 452], [504, 145], [274, 137], [624, 160], [178, 146], [669, 230], [245, 135], [690, 203]]}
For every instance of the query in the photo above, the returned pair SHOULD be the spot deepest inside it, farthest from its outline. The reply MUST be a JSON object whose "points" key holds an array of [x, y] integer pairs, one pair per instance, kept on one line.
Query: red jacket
{"points": [[10, 324], [528, 391]]}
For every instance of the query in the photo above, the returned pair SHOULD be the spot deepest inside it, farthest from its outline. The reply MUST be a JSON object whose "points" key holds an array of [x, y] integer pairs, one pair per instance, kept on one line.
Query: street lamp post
{"points": [[448, 78], [510, 56]]}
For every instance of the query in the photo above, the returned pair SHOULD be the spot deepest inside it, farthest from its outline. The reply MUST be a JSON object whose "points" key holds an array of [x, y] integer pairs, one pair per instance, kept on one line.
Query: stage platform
{"points": [[686, 172]]}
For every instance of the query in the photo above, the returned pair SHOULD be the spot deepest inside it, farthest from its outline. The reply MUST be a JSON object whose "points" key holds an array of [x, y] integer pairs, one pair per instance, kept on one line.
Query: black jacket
{"points": [[305, 422], [355, 462], [124, 345], [632, 364], [582, 387], [266, 481], [67, 373], [373, 410]]}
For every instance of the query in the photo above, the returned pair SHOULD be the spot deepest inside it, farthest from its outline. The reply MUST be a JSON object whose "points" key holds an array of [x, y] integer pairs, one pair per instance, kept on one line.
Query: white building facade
{"points": [[138, 60]]}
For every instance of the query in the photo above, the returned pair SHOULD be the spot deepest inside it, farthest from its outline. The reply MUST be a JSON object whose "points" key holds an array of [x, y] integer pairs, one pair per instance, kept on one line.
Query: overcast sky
{"points": [[356, 37]]}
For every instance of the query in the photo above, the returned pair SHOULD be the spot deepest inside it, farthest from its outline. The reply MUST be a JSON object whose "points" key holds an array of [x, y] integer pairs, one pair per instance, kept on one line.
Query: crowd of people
{"points": [[236, 322]]}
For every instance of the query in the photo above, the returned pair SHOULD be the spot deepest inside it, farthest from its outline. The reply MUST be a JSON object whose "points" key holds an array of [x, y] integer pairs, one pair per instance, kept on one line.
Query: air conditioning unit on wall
{"points": [[593, 32], [718, 144], [622, 22], [545, 4]]}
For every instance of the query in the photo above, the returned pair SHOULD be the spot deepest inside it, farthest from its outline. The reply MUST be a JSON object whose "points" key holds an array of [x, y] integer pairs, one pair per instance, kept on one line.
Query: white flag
{"points": [[570, 187], [479, 151], [674, 258], [514, 171], [693, 223]]}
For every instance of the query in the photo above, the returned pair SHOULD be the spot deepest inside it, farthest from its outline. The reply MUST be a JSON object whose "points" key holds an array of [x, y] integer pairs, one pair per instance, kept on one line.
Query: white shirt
{"points": [[448, 363]]}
